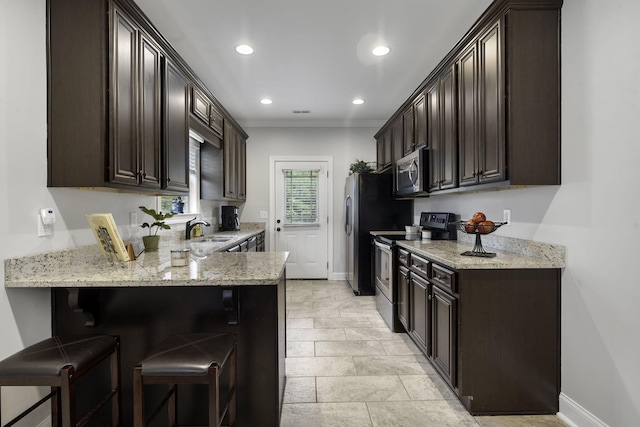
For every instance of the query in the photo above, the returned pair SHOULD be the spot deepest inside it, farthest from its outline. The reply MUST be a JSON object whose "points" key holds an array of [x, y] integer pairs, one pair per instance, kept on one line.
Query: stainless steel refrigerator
{"points": [[369, 206]]}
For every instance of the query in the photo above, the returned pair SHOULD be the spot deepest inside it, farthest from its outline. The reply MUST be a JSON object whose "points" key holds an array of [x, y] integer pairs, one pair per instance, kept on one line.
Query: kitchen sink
{"points": [[205, 246], [214, 239]]}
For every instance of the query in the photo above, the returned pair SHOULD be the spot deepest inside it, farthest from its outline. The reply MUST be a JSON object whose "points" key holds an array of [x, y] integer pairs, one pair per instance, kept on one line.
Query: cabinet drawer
{"points": [[403, 257], [419, 265], [443, 278]]}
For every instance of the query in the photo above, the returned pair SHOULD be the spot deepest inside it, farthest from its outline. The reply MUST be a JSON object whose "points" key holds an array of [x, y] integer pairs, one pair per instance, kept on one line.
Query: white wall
{"points": [[594, 212], [344, 145]]}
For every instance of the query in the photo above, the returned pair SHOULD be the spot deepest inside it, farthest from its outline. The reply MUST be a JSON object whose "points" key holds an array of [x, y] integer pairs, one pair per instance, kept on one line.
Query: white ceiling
{"points": [[312, 55]]}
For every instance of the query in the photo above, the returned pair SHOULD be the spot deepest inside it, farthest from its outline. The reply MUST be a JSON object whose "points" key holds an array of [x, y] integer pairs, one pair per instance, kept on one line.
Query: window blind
{"points": [[300, 196]]}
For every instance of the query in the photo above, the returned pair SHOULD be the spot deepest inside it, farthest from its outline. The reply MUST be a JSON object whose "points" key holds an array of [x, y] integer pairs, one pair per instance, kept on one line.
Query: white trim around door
{"points": [[273, 215]]}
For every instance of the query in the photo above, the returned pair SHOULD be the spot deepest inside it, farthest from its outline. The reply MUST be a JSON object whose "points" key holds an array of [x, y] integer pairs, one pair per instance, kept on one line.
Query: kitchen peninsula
{"points": [[146, 300]]}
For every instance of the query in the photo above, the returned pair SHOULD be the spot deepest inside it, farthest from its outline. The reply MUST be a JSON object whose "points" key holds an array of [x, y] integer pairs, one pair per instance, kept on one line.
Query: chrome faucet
{"points": [[192, 223]]}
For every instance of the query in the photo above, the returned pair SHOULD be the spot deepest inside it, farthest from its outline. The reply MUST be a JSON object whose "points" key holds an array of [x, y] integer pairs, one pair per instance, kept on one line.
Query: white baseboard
{"points": [[339, 276], [575, 415]]}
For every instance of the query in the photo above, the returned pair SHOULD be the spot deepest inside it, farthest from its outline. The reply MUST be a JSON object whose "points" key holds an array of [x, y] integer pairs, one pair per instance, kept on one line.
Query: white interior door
{"points": [[301, 217]]}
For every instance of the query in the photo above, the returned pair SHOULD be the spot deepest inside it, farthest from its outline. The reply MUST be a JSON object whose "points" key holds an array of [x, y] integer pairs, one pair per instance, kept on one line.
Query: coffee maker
{"points": [[230, 220], [441, 224]]}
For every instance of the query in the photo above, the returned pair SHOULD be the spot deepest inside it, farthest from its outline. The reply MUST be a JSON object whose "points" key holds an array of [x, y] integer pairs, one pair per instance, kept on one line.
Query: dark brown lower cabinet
{"points": [[420, 312], [260, 242], [493, 335], [509, 341], [443, 321], [403, 297]]}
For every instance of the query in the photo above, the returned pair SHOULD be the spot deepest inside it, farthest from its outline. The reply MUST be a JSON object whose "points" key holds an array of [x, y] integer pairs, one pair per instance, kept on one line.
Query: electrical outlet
{"points": [[264, 214], [506, 216], [133, 219], [44, 230]]}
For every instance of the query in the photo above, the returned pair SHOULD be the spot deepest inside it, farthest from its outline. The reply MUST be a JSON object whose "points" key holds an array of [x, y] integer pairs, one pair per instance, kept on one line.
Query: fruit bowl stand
{"points": [[478, 250]]}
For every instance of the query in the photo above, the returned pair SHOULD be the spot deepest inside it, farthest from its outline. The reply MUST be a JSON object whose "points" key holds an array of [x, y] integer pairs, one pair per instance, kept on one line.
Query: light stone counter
{"points": [[87, 267], [511, 253], [448, 253]]}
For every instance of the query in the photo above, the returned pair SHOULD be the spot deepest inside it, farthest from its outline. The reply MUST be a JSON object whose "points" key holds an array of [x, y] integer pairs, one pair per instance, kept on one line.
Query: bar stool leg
{"points": [[138, 398], [116, 401], [214, 399], [172, 406], [56, 410], [68, 397], [232, 386]]}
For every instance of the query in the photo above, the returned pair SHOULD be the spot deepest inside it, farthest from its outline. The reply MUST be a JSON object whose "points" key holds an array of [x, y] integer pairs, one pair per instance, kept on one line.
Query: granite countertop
{"points": [[511, 253], [87, 267]]}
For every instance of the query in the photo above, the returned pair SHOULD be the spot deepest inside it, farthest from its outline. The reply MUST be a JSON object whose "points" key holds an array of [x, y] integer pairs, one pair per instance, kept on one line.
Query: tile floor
{"points": [[344, 367]]}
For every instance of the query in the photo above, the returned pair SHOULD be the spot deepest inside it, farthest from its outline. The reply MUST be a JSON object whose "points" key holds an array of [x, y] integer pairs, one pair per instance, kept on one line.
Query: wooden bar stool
{"points": [[59, 362], [188, 359]]}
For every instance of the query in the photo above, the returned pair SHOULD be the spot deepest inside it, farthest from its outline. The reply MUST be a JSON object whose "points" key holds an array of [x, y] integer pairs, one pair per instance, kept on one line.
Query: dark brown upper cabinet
{"points": [[241, 167], [136, 88], [442, 131], [419, 122], [415, 126], [383, 151], [397, 139], [205, 110], [481, 94], [176, 131], [408, 140], [118, 101], [492, 105], [234, 153]]}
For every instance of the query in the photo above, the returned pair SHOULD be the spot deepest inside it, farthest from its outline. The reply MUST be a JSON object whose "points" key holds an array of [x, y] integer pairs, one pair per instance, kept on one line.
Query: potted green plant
{"points": [[151, 241], [360, 166]]}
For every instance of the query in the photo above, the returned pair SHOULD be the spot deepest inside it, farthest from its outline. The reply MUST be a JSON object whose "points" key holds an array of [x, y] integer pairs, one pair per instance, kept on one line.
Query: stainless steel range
{"points": [[385, 277], [442, 226]]}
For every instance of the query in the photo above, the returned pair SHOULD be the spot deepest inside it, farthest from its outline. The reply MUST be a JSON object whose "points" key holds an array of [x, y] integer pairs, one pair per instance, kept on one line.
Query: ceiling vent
{"points": [[301, 111]]}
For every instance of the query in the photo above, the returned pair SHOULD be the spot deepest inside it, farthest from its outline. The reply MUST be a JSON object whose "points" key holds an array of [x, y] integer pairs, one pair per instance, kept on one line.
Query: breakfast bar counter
{"points": [[146, 300]]}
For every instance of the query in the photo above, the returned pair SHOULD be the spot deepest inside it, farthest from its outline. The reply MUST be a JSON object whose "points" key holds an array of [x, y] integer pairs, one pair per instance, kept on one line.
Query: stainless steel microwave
{"points": [[411, 174]]}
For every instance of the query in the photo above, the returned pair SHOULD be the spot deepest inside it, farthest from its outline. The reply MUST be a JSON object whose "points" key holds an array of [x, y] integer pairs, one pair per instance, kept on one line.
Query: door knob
{"points": [[278, 221], [278, 229]]}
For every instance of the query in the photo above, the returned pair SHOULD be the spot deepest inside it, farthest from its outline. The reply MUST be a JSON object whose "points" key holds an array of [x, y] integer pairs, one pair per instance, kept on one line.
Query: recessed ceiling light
{"points": [[266, 101], [380, 50], [358, 101], [244, 49]]}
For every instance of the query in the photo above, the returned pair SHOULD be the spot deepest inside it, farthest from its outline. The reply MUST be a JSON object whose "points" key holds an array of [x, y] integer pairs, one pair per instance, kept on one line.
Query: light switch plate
{"points": [[264, 214]]}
